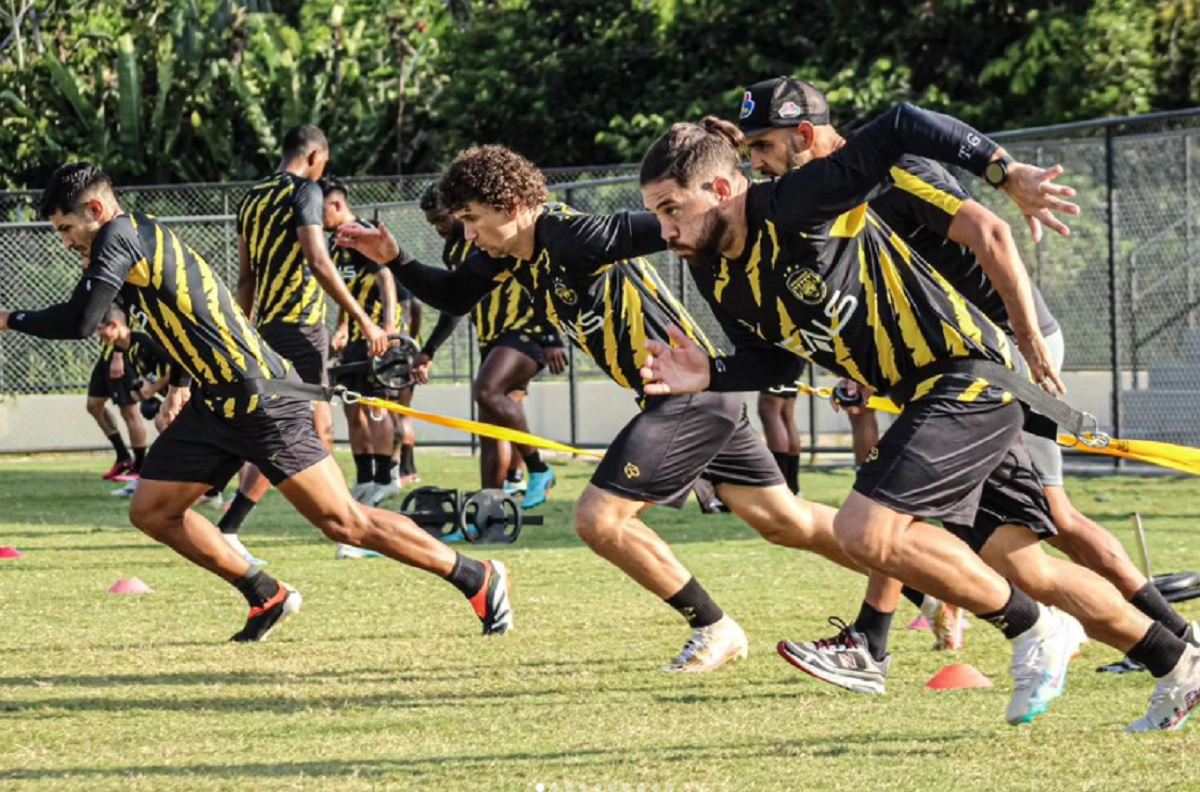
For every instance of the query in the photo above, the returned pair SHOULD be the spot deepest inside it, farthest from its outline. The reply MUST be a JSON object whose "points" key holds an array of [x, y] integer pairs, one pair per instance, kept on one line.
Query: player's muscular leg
{"points": [[323, 423], [770, 413], [97, 407], [504, 371], [359, 430], [783, 519], [319, 493], [864, 429], [609, 525], [132, 415], [1015, 552], [922, 555], [160, 509], [1091, 546]]}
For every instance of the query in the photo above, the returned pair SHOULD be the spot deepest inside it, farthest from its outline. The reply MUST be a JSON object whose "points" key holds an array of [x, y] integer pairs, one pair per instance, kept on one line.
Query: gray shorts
{"points": [[1045, 453]]}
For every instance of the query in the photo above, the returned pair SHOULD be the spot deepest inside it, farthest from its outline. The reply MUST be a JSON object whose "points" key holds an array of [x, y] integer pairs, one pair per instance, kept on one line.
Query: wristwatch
{"points": [[996, 172]]}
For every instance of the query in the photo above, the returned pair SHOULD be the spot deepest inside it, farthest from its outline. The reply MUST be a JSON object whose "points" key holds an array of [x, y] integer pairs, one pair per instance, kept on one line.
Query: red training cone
{"points": [[919, 623], [129, 586], [9, 551], [958, 677]]}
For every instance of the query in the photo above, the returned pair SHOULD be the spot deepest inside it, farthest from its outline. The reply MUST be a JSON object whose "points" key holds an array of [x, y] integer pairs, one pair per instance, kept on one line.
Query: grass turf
{"points": [[383, 682]]}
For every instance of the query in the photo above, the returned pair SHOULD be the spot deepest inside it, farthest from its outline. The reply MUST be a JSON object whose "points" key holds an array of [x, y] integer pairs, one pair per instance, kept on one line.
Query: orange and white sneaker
{"points": [[491, 601], [947, 627], [272, 613], [711, 647]]}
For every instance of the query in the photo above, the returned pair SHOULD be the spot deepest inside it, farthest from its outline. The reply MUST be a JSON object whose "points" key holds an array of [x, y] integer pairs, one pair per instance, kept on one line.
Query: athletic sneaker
{"points": [[514, 487], [535, 491], [947, 626], [1122, 666], [236, 543], [266, 617], [126, 490], [383, 492], [711, 647], [1174, 696], [1039, 666], [1078, 636], [844, 660], [119, 468], [491, 601], [363, 493], [212, 501], [350, 551]]}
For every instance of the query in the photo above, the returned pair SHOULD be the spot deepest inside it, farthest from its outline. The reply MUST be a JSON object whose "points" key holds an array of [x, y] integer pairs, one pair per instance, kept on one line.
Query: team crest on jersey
{"points": [[565, 293], [632, 471], [873, 454], [808, 287], [747, 105]]}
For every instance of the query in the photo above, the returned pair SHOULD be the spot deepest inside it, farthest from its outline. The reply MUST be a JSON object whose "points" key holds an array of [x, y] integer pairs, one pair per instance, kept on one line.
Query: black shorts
{"points": [[676, 440], [786, 391], [101, 386], [528, 345], [360, 381], [202, 447], [963, 463], [306, 347]]}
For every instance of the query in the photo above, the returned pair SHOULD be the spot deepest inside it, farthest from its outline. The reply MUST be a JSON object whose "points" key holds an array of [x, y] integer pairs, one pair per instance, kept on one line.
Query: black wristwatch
{"points": [[996, 172]]}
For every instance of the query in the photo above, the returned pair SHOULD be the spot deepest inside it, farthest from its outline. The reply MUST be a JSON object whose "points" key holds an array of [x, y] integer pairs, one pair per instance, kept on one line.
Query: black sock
{"points": [[239, 508], [781, 459], [792, 474], [874, 626], [118, 445], [534, 463], [139, 456], [383, 468], [363, 468], [1158, 650], [1018, 614], [912, 595], [468, 575], [1150, 601], [212, 492], [695, 605], [515, 475], [408, 465], [257, 586]]}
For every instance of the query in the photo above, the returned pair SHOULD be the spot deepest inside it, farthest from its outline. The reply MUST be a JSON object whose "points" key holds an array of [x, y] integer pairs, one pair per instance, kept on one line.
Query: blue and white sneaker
{"points": [[535, 491], [350, 551], [1041, 656]]}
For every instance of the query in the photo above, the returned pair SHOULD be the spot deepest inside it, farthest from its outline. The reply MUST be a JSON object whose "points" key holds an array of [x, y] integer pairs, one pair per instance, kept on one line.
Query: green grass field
{"points": [[383, 682]]}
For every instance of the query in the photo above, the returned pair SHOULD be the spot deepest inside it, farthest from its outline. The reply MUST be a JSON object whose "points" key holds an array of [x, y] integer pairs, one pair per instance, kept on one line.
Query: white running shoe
{"points": [[383, 492], [236, 543], [350, 551], [212, 501], [1174, 696], [1039, 666], [126, 490], [711, 647], [1078, 636], [363, 493]]}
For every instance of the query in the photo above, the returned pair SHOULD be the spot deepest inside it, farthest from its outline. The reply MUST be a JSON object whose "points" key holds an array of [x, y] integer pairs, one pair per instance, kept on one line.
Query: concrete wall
{"points": [[60, 423]]}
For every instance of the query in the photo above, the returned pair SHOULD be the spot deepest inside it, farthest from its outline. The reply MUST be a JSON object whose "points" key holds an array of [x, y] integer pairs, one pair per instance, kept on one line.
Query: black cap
{"points": [[781, 102]]}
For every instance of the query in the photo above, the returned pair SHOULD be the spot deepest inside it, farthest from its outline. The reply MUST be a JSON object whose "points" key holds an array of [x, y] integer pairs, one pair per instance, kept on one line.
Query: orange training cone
{"points": [[9, 551], [958, 677], [919, 623], [129, 586]]}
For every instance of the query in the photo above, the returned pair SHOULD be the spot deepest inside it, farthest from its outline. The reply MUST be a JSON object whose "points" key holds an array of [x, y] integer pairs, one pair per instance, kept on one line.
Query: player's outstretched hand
{"points": [[678, 367], [556, 359], [420, 371], [1041, 365], [1039, 197], [377, 244]]}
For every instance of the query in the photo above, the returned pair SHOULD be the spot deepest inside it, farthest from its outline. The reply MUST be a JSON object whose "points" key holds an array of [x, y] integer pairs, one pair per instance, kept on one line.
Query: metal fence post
{"points": [[1114, 297]]}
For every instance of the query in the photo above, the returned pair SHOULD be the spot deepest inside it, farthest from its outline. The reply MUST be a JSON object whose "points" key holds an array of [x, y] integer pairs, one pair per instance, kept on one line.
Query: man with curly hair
{"points": [[584, 271]]}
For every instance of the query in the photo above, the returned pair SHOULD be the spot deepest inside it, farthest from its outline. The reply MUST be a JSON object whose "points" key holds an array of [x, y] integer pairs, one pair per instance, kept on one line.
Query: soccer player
{"points": [[803, 264], [241, 409], [284, 273], [974, 250], [110, 380], [515, 343], [373, 288], [147, 370], [584, 272]]}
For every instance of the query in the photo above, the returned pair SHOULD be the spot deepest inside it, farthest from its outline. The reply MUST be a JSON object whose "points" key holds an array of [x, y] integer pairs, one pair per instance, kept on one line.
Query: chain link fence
{"points": [[1124, 285]]}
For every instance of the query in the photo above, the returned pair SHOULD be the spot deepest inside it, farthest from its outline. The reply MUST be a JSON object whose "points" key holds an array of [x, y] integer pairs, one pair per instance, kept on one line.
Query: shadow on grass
{"points": [[603, 762]]}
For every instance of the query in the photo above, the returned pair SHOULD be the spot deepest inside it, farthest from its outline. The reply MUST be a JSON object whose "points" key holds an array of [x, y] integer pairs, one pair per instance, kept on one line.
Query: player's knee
{"points": [[489, 395], [95, 407], [593, 527], [150, 519], [348, 525], [869, 545]]}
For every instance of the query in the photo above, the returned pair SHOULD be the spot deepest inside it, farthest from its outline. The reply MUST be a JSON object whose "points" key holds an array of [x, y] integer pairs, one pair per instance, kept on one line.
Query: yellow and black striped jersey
{"points": [[506, 308], [823, 278], [586, 274], [360, 275], [285, 289], [169, 289]]}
